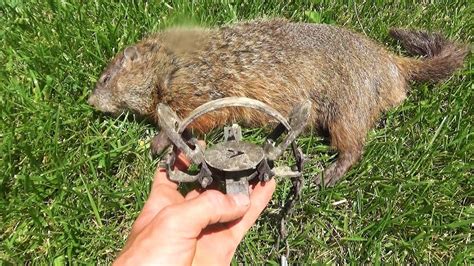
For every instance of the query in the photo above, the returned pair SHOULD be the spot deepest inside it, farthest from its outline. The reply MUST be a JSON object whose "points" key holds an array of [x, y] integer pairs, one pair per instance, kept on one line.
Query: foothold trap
{"points": [[234, 162]]}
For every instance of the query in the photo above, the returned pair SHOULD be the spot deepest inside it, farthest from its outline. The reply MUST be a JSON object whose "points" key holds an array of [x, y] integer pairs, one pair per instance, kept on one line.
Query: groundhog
{"points": [[349, 78]]}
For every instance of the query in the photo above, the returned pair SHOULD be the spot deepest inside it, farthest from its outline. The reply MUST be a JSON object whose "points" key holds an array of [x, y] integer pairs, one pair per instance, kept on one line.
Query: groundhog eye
{"points": [[104, 79]]}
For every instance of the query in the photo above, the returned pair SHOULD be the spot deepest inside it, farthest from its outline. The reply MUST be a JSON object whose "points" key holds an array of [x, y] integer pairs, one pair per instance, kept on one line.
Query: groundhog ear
{"points": [[131, 53]]}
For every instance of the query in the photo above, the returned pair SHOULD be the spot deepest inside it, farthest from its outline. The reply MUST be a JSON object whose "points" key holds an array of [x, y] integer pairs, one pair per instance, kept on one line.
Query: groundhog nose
{"points": [[92, 100]]}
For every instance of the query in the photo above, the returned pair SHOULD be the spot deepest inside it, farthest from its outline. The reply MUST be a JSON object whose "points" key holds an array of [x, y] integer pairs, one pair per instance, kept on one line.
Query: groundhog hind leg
{"points": [[348, 142]]}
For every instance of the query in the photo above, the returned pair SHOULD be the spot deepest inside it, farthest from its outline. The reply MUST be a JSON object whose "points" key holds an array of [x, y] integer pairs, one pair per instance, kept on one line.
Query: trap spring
{"points": [[234, 161]]}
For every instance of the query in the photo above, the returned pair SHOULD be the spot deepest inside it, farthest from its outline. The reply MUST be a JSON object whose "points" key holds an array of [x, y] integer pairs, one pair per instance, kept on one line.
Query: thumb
{"points": [[208, 208]]}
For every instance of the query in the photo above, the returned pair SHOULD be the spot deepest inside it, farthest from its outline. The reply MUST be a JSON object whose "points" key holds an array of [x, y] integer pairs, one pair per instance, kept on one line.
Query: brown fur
{"points": [[442, 56], [350, 79]]}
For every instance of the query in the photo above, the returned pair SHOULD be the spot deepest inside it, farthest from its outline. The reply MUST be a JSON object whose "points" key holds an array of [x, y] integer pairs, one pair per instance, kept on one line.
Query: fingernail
{"points": [[241, 199]]}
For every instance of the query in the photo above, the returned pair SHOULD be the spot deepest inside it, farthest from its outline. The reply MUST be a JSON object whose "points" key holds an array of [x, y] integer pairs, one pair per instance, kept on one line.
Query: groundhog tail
{"points": [[440, 57]]}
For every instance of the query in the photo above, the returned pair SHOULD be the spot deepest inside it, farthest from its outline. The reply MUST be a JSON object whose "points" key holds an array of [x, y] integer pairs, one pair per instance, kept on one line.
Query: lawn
{"points": [[72, 181]]}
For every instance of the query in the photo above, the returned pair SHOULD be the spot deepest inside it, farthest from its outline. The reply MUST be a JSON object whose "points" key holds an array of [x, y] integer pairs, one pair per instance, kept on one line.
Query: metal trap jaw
{"points": [[234, 161]]}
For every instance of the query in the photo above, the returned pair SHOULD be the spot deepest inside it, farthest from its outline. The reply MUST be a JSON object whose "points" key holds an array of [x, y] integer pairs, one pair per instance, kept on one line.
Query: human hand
{"points": [[201, 228]]}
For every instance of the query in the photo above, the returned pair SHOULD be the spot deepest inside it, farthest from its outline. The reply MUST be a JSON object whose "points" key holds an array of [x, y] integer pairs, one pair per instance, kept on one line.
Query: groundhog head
{"points": [[131, 81]]}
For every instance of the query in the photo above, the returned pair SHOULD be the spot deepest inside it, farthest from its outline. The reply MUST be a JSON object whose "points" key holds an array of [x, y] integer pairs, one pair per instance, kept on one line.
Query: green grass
{"points": [[72, 181]]}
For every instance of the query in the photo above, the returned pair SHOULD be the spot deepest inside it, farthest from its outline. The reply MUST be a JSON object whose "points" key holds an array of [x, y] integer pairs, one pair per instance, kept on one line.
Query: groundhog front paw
{"points": [[159, 143]]}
